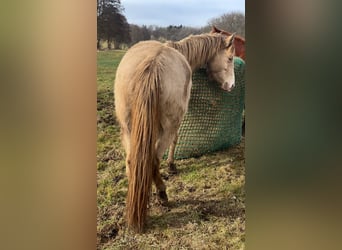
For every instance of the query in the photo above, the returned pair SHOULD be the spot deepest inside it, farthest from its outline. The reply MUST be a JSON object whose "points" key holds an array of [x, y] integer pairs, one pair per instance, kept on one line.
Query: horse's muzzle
{"points": [[226, 87]]}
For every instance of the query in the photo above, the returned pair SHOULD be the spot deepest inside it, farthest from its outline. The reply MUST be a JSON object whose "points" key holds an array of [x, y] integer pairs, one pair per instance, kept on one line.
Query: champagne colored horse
{"points": [[240, 51], [152, 91], [239, 46]]}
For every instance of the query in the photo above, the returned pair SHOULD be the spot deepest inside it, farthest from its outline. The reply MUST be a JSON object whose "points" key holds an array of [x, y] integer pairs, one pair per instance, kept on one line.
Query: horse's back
{"points": [[146, 51], [135, 55], [175, 79]]}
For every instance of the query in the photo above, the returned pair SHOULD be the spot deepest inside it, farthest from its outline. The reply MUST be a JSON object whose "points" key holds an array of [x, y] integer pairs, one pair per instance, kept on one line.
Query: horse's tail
{"points": [[144, 132]]}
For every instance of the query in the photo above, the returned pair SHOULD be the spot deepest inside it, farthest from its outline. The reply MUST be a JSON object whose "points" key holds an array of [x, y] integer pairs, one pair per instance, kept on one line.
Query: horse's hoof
{"points": [[172, 168], [162, 198]]}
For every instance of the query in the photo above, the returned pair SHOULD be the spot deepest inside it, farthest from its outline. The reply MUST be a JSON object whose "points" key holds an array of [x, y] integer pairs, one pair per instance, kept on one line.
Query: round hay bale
{"points": [[214, 118]]}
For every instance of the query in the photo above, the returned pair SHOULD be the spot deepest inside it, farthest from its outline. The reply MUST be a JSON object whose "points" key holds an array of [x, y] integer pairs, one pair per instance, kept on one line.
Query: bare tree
{"points": [[231, 22], [139, 33]]}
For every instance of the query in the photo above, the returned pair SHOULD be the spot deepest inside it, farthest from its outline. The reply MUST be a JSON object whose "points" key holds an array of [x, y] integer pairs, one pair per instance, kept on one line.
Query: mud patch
{"points": [[113, 155], [107, 233]]}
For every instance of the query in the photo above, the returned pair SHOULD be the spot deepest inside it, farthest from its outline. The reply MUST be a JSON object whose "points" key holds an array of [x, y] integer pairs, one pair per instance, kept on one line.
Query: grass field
{"points": [[206, 198]]}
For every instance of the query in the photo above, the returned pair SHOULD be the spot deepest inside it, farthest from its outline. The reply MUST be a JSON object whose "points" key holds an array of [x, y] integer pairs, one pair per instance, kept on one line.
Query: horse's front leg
{"points": [[170, 159]]}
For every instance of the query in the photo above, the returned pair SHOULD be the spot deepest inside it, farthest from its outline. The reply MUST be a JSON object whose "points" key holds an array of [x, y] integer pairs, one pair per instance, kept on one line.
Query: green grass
{"points": [[206, 198]]}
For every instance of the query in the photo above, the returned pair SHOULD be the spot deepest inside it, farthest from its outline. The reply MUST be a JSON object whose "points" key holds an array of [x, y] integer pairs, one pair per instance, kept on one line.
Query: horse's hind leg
{"points": [[164, 141], [161, 188], [125, 138], [170, 159]]}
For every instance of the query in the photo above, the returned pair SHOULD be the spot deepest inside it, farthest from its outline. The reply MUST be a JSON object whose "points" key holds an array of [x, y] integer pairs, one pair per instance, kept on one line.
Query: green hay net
{"points": [[214, 118]]}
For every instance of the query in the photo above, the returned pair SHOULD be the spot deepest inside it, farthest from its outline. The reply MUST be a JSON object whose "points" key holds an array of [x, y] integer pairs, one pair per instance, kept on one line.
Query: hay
{"points": [[214, 118]]}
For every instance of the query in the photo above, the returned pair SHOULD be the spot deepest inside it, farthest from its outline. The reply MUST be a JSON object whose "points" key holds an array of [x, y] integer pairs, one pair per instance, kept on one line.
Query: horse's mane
{"points": [[198, 49]]}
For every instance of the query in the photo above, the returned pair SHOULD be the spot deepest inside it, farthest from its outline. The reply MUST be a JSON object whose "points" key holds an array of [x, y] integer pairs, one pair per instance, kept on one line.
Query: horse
{"points": [[239, 45], [239, 42], [152, 92]]}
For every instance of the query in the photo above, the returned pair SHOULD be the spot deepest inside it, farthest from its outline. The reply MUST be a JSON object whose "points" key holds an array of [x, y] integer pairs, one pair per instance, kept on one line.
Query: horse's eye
{"points": [[230, 59]]}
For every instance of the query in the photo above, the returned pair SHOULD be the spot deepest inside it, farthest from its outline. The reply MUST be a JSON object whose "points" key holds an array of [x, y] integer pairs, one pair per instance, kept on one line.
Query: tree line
{"points": [[113, 28]]}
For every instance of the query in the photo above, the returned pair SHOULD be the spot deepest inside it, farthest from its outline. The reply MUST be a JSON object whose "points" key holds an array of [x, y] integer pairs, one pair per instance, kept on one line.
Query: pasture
{"points": [[206, 198]]}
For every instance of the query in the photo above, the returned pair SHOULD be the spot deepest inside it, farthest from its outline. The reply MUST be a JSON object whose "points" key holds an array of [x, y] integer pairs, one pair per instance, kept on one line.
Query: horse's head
{"points": [[221, 66], [239, 42]]}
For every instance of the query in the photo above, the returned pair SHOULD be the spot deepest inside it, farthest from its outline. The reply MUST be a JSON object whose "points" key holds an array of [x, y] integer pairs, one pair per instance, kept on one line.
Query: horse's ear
{"points": [[230, 40], [215, 30]]}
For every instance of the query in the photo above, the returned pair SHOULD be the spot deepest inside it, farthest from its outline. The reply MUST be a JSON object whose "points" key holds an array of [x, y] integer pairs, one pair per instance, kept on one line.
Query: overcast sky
{"points": [[195, 13]]}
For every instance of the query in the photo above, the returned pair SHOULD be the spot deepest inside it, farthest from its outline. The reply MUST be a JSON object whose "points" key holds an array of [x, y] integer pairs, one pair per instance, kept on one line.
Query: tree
{"points": [[171, 32], [231, 22], [138, 33], [112, 25]]}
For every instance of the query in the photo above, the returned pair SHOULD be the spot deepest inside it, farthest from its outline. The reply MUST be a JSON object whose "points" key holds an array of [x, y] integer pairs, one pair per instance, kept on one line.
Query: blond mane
{"points": [[198, 49]]}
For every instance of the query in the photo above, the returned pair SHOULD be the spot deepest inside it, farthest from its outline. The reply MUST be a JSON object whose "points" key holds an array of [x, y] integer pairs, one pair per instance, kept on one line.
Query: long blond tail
{"points": [[144, 132]]}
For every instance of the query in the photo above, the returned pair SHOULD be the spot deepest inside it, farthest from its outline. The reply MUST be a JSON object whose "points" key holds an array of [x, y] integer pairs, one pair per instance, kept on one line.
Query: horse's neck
{"points": [[197, 50]]}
